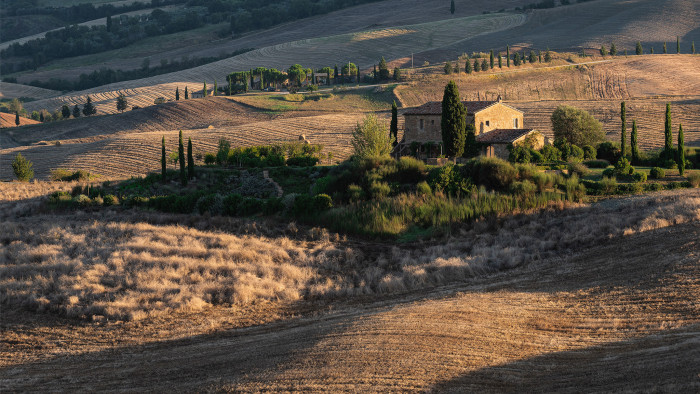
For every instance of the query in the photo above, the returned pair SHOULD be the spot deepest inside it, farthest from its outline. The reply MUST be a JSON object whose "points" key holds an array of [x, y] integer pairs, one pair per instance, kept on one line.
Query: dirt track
{"points": [[621, 316]]}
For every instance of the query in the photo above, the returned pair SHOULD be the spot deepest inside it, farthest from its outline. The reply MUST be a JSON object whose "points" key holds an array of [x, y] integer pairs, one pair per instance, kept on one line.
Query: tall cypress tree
{"points": [[639, 49], [500, 61], [177, 93], [190, 159], [468, 67], [216, 88], [453, 121], [162, 160], [633, 142], [204, 89], [187, 96], [477, 66], [613, 49], [17, 118], [181, 159], [507, 56], [452, 7], [692, 48], [681, 151], [665, 50], [668, 137], [678, 45], [76, 111], [491, 62], [623, 131], [335, 75], [394, 126], [89, 108]]}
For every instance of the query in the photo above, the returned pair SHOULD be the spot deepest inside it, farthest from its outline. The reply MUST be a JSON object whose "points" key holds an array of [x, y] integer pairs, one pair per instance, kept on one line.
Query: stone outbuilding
{"points": [[495, 143]]}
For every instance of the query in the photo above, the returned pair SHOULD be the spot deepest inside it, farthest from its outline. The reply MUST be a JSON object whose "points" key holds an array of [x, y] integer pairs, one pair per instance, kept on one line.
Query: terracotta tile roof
{"points": [[435, 107], [502, 136]]}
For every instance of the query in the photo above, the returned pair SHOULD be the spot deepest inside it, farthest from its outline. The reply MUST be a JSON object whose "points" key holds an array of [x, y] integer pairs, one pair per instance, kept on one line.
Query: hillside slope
{"points": [[8, 120], [623, 311]]}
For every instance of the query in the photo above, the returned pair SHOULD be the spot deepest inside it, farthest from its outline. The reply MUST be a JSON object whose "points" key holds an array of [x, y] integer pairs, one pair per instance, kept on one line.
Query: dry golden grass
{"points": [[96, 265], [609, 300]]}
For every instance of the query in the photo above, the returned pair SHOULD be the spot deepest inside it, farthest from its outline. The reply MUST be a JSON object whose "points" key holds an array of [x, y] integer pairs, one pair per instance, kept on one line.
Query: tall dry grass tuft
{"points": [[106, 264]]}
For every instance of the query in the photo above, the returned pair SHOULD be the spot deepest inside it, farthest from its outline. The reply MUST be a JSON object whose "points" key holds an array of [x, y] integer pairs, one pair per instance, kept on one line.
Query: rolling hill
{"points": [[8, 120]]}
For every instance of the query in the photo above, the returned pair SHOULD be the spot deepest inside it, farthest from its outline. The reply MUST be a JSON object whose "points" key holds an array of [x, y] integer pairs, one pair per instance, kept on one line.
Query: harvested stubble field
{"points": [[608, 290], [14, 90], [366, 48], [641, 81], [124, 155]]}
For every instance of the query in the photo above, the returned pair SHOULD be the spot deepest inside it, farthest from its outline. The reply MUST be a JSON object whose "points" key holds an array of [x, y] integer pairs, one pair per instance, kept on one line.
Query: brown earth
{"points": [[617, 315]]}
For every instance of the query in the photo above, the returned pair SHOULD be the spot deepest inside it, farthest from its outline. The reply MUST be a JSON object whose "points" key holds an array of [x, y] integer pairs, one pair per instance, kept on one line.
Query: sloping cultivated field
{"points": [[643, 82], [608, 291], [365, 49], [131, 154], [14, 90]]}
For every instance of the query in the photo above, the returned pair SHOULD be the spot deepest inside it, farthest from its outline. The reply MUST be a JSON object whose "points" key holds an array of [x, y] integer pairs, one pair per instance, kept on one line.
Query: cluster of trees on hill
{"points": [[77, 40], [105, 76], [485, 62], [77, 13]]}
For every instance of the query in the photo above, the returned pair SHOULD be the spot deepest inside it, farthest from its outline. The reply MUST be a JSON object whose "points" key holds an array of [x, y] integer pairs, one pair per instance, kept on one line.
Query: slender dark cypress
{"points": [[623, 132], [633, 142], [668, 137], [181, 159], [681, 151], [190, 159], [162, 160]]}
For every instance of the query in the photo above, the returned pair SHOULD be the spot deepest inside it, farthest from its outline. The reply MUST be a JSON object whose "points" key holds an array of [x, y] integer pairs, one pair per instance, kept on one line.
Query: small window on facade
{"points": [[432, 121], [488, 123], [421, 123], [515, 123]]}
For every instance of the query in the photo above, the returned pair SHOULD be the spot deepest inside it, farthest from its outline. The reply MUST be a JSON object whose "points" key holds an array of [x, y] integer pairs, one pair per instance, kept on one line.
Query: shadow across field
{"points": [[639, 306], [659, 362]]}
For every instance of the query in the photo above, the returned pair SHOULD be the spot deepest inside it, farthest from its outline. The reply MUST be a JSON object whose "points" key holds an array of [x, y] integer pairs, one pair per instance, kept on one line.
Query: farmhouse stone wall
{"points": [[498, 116], [430, 131]]}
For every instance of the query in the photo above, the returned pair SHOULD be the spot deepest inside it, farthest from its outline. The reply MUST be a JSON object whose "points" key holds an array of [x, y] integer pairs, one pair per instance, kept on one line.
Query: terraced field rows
{"points": [[363, 48], [125, 155], [649, 114]]}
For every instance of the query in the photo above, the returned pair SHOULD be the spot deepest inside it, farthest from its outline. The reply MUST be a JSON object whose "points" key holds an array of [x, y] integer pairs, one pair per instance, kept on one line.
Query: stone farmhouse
{"points": [[497, 126]]}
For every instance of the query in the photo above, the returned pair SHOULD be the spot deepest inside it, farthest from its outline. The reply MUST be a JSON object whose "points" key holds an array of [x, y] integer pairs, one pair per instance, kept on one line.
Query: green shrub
{"points": [[22, 168], [423, 189], [537, 157], [694, 179], [379, 190], [322, 202], [409, 170], [639, 177], [653, 186], [231, 203], [136, 201], [526, 171], [657, 173], [493, 173], [589, 152], [302, 161], [609, 151], [577, 169], [355, 193], [82, 200], [273, 206], [596, 163], [609, 172], [60, 174], [524, 188], [110, 199], [448, 180], [209, 159], [608, 185], [550, 154], [543, 181], [212, 203], [249, 207], [519, 154]]}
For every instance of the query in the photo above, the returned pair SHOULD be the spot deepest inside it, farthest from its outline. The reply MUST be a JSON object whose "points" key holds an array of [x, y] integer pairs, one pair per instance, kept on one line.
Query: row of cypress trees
{"points": [[186, 171], [667, 153]]}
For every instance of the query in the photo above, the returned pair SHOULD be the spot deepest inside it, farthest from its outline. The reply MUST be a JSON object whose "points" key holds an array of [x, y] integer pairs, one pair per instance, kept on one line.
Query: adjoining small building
{"points": [[422, 126]]}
